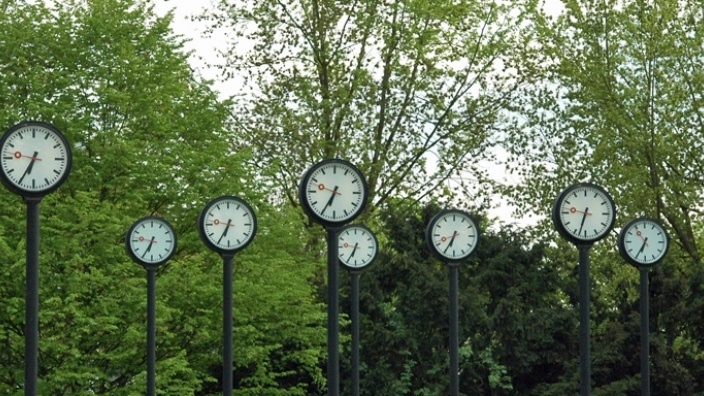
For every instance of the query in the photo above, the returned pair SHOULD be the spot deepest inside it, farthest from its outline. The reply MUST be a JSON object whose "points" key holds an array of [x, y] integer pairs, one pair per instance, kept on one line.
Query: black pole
{"points": [[644, 334], [151, 331], [31, 337], [584, 297], [354, 316], [227, 290], [333, 313], [454, 330]]}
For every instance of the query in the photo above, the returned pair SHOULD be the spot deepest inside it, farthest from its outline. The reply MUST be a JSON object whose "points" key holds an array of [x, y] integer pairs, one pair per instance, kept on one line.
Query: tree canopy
{"points": [[418, 94]]}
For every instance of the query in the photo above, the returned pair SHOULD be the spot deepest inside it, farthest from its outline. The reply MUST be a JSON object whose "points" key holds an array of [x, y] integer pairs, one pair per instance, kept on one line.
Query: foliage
{"points": [[517, 331], [619, 104], [147, 139], [410, 91]]}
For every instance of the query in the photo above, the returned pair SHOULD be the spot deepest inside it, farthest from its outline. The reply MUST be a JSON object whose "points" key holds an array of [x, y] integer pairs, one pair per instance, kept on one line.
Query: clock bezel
{"points": [[132, 253], [376, 246], [308, 208], [429, 236], [622, 242], [17, 189], [560, 227], [211, 244]]}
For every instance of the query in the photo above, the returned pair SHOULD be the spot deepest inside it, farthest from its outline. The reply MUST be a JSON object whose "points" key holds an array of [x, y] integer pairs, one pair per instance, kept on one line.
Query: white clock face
{"points": [[357, 246], [333, 191], [227, 224], [584, 212], [643, 242], [151, 241], [453, 235], [35, 158]]}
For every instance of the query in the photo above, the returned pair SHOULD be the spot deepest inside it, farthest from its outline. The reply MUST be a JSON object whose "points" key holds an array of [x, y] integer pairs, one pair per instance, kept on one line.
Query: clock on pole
{"points": [[643, 243], [333, 192], [35, 159], [150, 242], [226, 225], [584, 213], [453, 236]]}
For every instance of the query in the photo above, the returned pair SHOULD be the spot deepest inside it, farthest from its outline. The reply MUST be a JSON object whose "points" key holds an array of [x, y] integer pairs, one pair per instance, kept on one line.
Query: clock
{"points": [[584, 213], [452, 235], [35, 158], [357, 246], [151, 241], [643, 242], [333, 192], [227, 224]]}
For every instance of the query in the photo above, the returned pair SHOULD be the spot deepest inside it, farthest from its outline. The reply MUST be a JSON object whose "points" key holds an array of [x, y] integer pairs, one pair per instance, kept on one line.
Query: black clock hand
{"points": [[584, 217], [332, 198], [227, 226], [151, 241], [454, 234], [29, 167], [353, 250], [645, 242]]}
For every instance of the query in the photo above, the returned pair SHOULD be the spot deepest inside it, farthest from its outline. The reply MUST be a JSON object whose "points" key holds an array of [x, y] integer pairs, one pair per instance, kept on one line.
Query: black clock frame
{"points": [[429, 236], [622, 244], [308, 210], [561, 228], [376, 243], [201, 225], [69, 160], [138, 259]]}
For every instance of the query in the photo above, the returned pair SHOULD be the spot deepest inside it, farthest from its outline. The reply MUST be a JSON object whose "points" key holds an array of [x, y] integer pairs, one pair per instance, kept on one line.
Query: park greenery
{"points": [[421, 95]]}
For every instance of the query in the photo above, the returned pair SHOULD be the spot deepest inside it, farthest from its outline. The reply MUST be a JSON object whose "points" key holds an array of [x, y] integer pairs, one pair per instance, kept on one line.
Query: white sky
{"points": [[205, 52]]}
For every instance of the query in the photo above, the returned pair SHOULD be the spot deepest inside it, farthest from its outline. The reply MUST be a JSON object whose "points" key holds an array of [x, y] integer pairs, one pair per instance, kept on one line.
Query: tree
{"points": [[619, 104], [518, 333], [409, 91], [147, 138]]}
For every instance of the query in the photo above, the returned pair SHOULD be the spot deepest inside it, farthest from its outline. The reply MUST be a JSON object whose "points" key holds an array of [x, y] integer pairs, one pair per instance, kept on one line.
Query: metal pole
{"points": [[584, 297], [333, 313], [354, 316], [454, 330], [151, 331], [227, 290], [644, 334], [31, 345]]}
